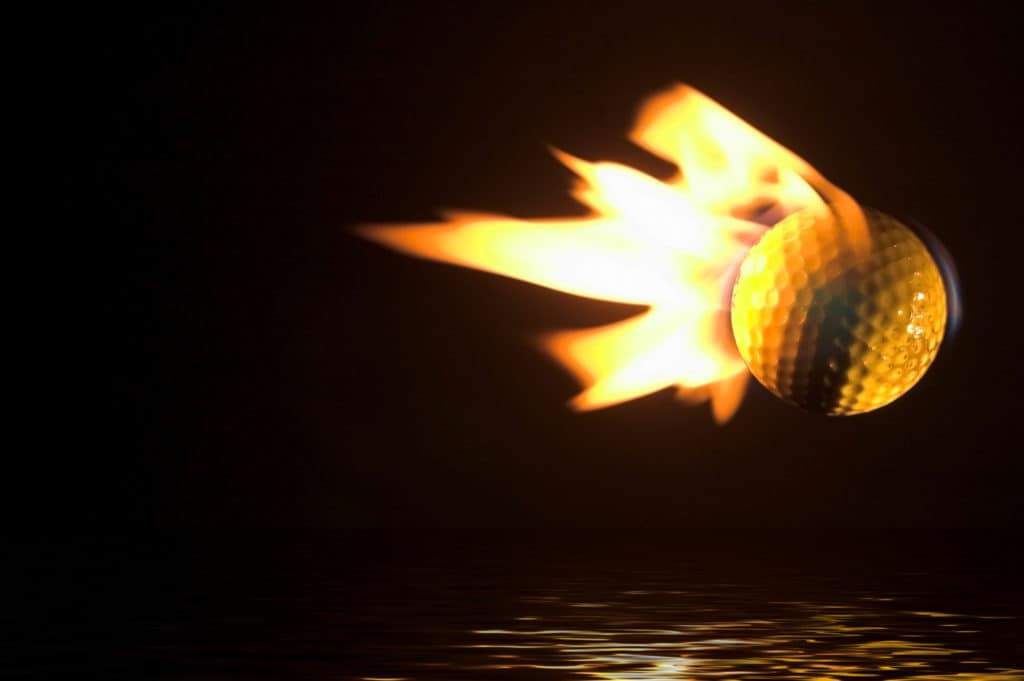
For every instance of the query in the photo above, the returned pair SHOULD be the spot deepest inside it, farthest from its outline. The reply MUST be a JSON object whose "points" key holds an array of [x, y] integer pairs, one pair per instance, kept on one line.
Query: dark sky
{"points": [[260, 366]]}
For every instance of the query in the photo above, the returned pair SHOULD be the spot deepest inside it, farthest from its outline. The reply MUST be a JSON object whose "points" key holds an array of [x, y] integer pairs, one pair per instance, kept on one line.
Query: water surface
{"points": [[484, 605]]}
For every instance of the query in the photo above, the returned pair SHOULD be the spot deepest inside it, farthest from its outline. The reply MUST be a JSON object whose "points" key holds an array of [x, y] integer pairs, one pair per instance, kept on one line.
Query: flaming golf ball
{"points": [[835, 309], [833, 328]]}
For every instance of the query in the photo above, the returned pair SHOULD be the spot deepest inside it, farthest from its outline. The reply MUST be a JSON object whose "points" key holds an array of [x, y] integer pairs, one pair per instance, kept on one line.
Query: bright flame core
{"points": [[673, 246]]}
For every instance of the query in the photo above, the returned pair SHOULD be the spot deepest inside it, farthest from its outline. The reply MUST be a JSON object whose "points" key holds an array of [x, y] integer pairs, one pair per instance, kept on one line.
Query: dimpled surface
{"points": [[833, 329]]}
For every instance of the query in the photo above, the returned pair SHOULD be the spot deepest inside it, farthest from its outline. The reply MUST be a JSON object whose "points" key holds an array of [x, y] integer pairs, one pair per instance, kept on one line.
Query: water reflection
{"points": [[487, 607], [870, 638]]}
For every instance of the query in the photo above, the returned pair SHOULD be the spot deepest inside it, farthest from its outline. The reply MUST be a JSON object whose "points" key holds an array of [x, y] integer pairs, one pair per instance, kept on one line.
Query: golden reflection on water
{"points": [[803, 640]]}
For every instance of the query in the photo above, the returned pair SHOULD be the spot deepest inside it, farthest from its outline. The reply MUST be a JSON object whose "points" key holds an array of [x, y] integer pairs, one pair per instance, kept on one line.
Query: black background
{"points": [[257, 365]]}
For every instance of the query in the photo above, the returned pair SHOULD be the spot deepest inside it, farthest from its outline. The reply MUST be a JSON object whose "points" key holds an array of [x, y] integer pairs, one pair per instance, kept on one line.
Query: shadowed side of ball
{"points": [[836, 329]]}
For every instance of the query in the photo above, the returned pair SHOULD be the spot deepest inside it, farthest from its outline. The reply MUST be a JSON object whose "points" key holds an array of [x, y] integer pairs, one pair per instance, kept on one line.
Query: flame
{"points": [[671, 245]]}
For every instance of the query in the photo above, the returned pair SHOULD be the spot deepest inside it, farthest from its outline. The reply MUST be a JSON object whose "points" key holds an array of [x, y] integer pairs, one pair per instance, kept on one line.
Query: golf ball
{"points": [[832, 328]]}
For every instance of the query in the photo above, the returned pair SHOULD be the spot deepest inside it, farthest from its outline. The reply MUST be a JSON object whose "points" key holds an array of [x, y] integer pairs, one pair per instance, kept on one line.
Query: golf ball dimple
{"points": [[832, 328]]}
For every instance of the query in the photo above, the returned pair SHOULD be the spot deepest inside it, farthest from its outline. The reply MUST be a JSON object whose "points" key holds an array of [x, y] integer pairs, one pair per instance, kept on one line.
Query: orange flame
{"points": [[672, 246]]}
